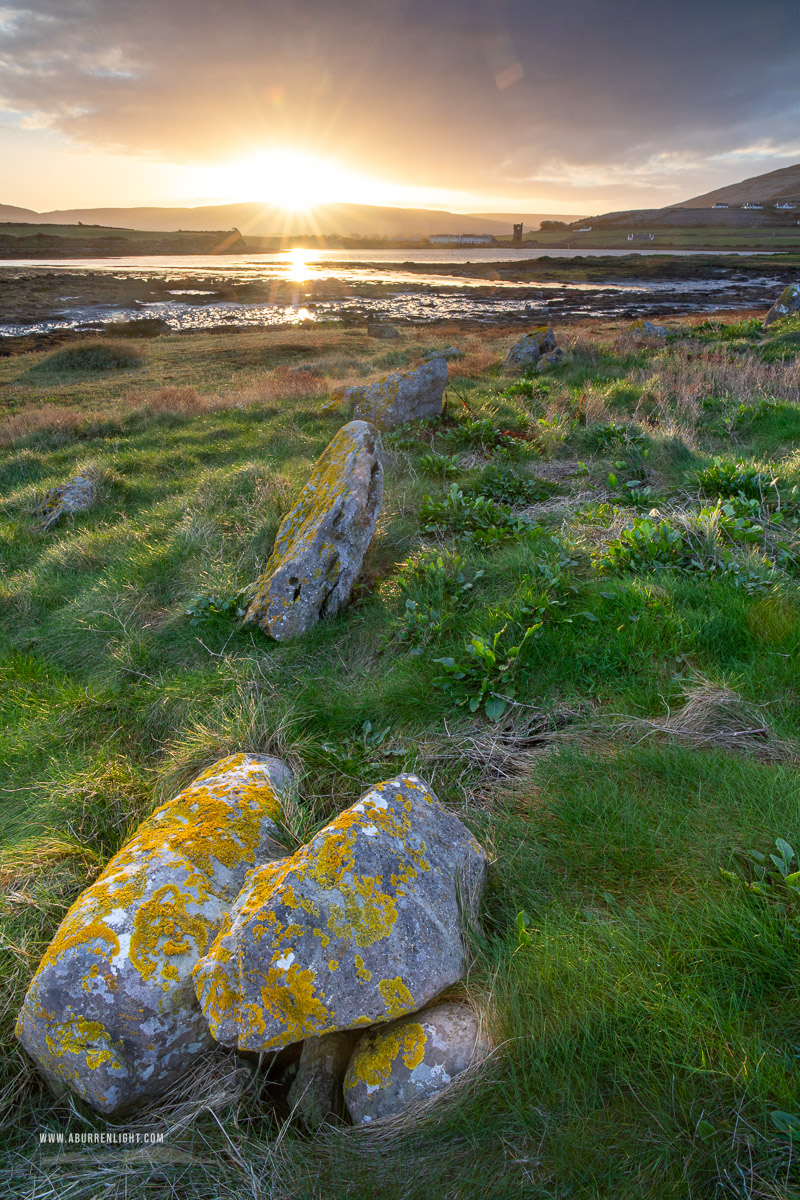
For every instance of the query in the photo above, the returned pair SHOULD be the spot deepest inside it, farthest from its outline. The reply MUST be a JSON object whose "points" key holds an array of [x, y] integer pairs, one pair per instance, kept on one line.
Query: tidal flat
{"points": [[630, 517]]}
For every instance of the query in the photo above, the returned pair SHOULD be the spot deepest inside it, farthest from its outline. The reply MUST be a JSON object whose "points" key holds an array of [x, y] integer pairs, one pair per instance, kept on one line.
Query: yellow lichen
{"points": [[89, 1039], [163, 928], [375, 1056], [361, 971], [396, 996]]}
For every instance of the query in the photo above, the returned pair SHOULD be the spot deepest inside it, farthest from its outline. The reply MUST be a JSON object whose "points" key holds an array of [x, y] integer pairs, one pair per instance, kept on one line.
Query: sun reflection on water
{"points": [[297, 262]]}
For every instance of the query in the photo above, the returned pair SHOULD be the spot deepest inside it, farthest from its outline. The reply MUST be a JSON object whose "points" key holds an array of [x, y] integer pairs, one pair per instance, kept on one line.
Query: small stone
{"points": [[359, 927], [111, 1011], [377, 330], [550, 360], [450, 352], [397, 398], [411, 1060], [76, 496], [321, 543], [525, 353], [316, 1091], [787, 303]]}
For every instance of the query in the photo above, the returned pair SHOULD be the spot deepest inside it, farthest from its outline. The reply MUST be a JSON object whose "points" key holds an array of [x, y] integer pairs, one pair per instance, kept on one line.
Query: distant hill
{"points": [[766, 189], [261, 220]]}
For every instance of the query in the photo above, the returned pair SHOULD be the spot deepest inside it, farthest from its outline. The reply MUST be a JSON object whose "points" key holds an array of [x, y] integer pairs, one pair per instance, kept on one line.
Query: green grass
{"points": [[645, 1006]]}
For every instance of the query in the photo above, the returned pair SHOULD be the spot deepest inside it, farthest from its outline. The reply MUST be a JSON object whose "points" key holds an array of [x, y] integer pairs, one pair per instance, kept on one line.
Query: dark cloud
{"points": [[514, 96]]}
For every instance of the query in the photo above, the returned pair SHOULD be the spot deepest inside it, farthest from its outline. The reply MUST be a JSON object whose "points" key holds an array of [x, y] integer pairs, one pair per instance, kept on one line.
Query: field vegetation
{"points": [[579, 621]]}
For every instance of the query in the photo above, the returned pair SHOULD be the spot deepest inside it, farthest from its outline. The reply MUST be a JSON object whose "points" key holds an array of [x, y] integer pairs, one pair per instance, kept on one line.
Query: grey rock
{"points": [[550, 360], [316, 1091], [450, 352], [411, 1060], [787, 303], [111, 1012], [321, 543], [358, 927], [526, 353], [397, 398], [378, 330], [648, 329], [76, 496]]}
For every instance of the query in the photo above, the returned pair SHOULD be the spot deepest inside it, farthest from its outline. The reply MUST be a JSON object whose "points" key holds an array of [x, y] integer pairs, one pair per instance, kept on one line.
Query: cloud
{"points": [[482, 95]]}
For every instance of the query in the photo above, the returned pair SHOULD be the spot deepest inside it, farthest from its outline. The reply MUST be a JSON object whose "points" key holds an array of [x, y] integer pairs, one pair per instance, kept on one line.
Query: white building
{"points": [[460, 239], [719, 205], [785, 204], [752, 205]]}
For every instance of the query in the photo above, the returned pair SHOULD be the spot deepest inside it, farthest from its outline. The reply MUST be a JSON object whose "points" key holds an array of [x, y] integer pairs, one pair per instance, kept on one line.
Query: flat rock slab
{"points": [[111, 1011], [321, 543], [397, 398], [526, 352], [411, 1060], [360, 926], [787, 303]]}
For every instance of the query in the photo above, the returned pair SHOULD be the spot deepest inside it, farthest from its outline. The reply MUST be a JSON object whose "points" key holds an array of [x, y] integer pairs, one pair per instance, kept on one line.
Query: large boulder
{"points": [[411, 1059], [321, 543], [787, 303], [642, 328], [111, 1011], [74, 497], [359, 927], [399, 397], [525, 353]]}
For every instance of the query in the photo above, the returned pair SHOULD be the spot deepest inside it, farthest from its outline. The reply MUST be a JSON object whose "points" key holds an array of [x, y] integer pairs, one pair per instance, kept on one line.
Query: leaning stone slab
{"points": [[411, 1060], [399, 397], [74, 497], [111, 1011], [316, 1091], [787, 303], [647, 329], [360, 926], [525, 353], [321, 543]]}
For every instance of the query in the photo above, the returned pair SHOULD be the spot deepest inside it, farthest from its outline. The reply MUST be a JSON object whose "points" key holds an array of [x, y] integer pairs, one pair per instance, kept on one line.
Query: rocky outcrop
{"points": [[525, 354], [787, 303], [399, 397], [550, 360], [316, 1091], [321, 543], [111, 1011], [361, 926], [74, 497], [411, 1060]]}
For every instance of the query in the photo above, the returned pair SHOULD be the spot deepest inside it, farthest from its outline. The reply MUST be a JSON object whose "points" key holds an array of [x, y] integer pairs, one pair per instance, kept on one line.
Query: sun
{"points": [[292, 179]]}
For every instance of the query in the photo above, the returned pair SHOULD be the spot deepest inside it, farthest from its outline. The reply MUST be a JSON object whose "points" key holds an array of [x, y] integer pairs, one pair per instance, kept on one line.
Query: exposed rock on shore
{"points": [[399, 397]]}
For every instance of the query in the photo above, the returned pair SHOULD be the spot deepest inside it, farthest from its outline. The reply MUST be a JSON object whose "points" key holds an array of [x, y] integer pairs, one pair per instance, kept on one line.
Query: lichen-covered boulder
{"points": [[553, 359], [316, 1091], [787, 303], [76, 496], [399, 397], [360, 926], [321, 543], [526, 353], [411, 1059], [111, 1011], [378, 329]]}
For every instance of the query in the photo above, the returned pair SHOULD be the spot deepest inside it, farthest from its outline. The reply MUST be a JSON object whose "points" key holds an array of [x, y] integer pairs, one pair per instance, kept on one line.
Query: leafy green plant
{"points": [[486, 678], [646, 545], [502, 484], [774, 879], [610, 435], [726, 478], [443, 465], [204, 607], [366, 751], [476, 518], [434, 587]]}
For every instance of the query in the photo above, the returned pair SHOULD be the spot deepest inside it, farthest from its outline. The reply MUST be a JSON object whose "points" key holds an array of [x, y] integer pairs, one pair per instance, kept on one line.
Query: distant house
{"points": [[751, 205], [640, 237], [584, 229], [786, 204], [460, 239], [719, 205]]}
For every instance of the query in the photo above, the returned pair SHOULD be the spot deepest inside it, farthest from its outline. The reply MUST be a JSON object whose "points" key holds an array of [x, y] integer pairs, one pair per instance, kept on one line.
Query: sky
{"points": [[563, 106]]}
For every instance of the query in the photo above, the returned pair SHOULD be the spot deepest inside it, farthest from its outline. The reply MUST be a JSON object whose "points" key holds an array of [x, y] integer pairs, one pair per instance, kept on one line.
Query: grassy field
{"points": [[628, 520]]}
